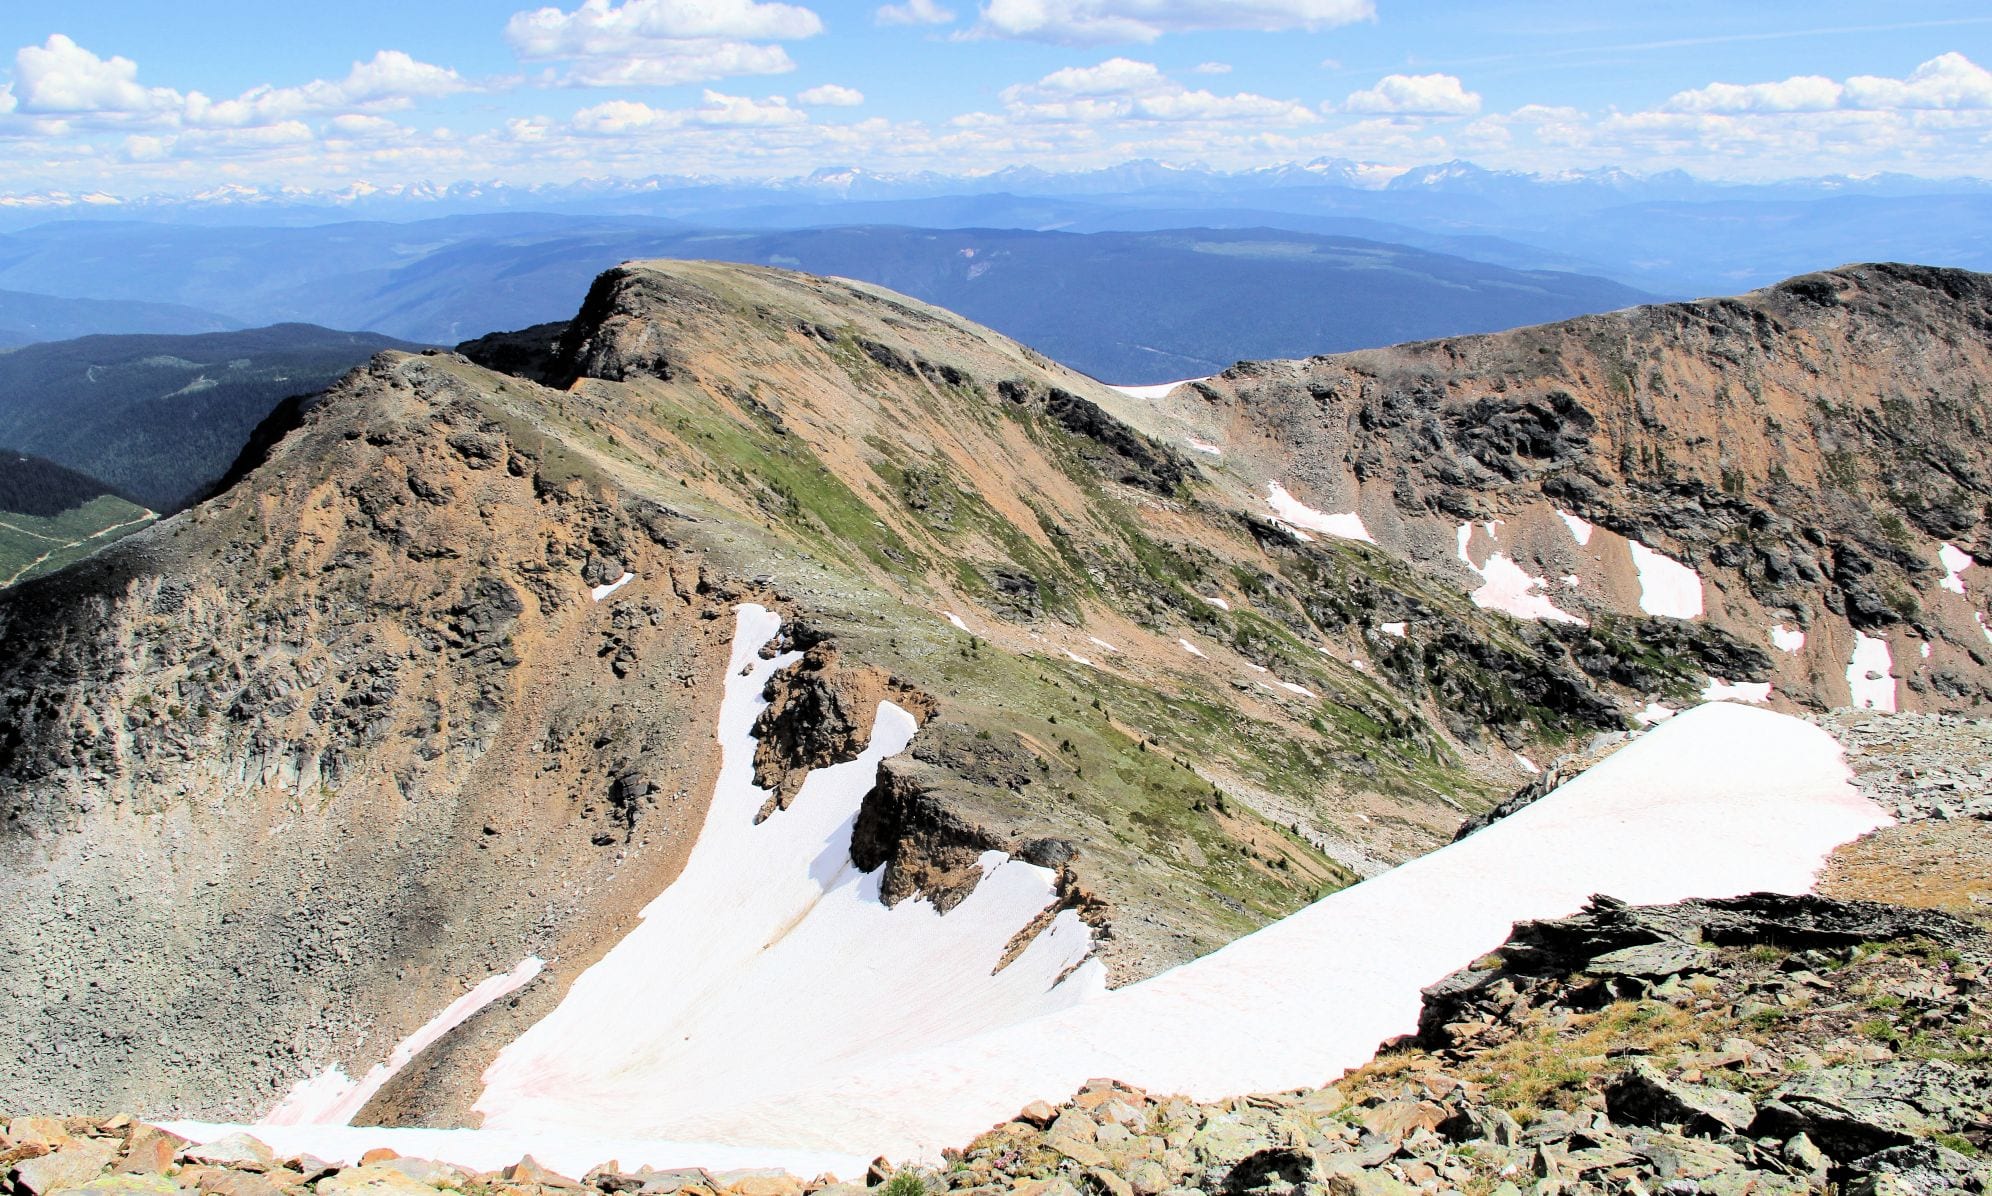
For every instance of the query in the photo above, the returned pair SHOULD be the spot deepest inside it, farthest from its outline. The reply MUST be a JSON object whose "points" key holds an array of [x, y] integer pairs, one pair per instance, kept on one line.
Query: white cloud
{"points": [[740, 111], [1094, 22], [1800, 93], [389, 80], [1415, 95], [1122, 89], [681, 62], [1212, 68], [60, 77], [831, 95], [603, 28], [1948, 82], [621, 118], [661, 43], [914, 12]]}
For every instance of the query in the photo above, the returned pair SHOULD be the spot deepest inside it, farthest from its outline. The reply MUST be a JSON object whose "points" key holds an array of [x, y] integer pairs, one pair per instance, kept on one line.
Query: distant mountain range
{"points": [[1666, 234], [26, 318], [1123, 306]]}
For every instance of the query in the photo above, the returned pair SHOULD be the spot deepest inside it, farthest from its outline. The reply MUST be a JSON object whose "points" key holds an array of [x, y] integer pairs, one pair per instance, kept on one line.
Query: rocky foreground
{"points": [[1757, 1044]]}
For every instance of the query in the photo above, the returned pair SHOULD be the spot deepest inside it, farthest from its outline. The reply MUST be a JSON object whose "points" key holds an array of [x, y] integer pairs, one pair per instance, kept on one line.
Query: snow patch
{"points": [[1724, 799], [1219, 603], [1202, 447], [1075, 658], [1396, 629], [1718, 690], [1528, 765], [1189, 647], [1654, 713], [1506, 586], [1955, 561], [1980, 617], [956, 620], [1097, 642], [1871, 674], [1156, 390], [1290, 687], [1926, 649], [331, 1097], [771, 961], [1580, 529], [1347, 526], [1786, 639], [603, 591], [1666, 586]]}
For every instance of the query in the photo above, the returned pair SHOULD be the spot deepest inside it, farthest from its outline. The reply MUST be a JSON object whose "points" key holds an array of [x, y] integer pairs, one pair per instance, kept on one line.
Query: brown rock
{"points": [[219, 1181], [528, 1171], [1038, 1113], [379, 1154], [149, 1150], [1109, 1183], [766, 1185], [43, 1131], [70, 1167], [1395, 1119]]}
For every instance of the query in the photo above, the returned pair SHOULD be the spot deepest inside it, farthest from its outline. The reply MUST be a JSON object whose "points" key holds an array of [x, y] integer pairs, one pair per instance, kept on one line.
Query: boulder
{"points": [[1852, 1111], [71, 1166], [373, 1180], [1641, 1095], [235, 1150]]}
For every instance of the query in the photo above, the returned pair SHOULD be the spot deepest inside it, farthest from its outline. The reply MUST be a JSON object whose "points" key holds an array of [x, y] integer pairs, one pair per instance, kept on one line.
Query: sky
{"points": [[132, 97]]}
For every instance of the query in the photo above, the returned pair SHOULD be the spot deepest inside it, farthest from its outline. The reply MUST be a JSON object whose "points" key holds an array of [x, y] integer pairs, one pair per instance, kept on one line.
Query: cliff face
{"points": [[431, 688], [1808, 449]]}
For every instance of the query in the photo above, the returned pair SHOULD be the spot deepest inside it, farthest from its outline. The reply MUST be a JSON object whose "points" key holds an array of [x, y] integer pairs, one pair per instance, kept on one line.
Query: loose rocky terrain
{"points": [[429, 688]]}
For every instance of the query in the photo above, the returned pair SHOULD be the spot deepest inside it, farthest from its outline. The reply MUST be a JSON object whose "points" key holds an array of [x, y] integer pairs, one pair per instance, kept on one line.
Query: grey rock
{"points": [[1641, 1095], [1851, 1112]]}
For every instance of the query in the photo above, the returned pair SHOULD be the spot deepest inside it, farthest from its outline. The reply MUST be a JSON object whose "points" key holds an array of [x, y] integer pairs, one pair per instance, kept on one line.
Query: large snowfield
{"points": [[769, 1009]]}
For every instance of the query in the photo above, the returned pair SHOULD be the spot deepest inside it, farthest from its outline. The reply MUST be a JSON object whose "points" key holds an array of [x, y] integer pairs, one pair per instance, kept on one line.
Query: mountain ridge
{"points": [[485, 612]]}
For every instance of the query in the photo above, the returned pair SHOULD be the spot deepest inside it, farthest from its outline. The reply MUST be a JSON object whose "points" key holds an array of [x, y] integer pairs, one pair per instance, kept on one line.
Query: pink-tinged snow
{"points": [[1666, 586], [1871, 674], [1189, 647], [1528, 766], [1506, 586], [1397, 629], [572, 1155], [1156, 390], [603, 591], [1718, 690], [771, 960], [1786, 639], [1654, 713], [331, 1097], [1580, 529], [1203, 447], [1722, 800], [1955, 561], [1346, 526], [1924, 647], [956, 620]]}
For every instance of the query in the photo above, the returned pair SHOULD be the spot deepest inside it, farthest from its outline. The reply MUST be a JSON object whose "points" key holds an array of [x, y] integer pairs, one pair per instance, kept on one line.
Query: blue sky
{"points": [[134, 98]]}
